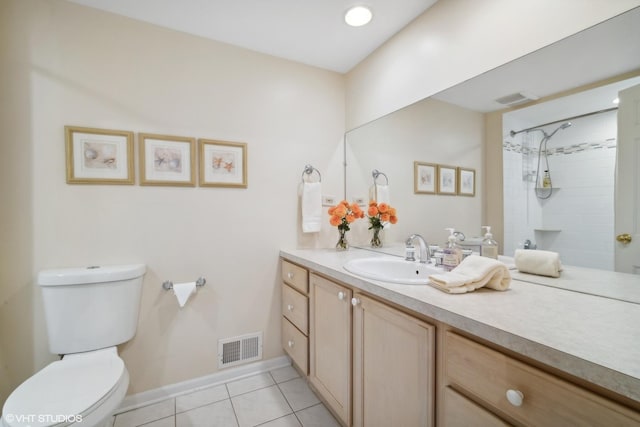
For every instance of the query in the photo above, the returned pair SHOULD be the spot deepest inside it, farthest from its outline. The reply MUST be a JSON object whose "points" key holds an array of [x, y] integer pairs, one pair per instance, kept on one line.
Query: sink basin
{"points": [[394, 270]]}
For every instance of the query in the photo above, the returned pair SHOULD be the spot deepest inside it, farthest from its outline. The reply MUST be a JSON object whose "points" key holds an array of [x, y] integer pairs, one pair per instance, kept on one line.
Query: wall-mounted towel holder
{"points": [[168, 284], [308, 170], [376, 173]]}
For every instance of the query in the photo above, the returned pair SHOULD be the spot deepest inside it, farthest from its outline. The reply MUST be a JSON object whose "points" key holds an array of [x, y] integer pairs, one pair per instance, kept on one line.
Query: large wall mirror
{"points": [[572, 80]]}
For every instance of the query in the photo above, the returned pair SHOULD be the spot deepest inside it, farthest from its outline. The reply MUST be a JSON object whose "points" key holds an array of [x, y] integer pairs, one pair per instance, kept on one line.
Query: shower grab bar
{"points": [[514, 133]]}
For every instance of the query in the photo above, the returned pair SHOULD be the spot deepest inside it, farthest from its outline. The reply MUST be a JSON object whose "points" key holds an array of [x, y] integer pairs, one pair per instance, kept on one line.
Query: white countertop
{"points": [[591, 337]]}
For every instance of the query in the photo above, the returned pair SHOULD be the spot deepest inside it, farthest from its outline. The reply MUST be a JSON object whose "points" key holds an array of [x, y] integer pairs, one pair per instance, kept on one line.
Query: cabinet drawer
{"points": [[462, 412], [296, 345], [295, 307], [546, 400], [296, 276]]}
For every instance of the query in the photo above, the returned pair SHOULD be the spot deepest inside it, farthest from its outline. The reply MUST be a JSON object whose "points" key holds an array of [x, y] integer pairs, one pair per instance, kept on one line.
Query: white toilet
{"points": [[88, 312]]}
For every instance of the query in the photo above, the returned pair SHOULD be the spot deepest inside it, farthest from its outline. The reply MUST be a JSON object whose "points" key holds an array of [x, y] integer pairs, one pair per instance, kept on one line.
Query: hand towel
{"points": [[542, 263], [311, 207], [472, 273], [382, 194]]}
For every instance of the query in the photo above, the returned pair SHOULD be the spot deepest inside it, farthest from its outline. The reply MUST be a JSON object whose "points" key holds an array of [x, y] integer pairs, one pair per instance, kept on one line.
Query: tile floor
{"points": [[279, 398]]}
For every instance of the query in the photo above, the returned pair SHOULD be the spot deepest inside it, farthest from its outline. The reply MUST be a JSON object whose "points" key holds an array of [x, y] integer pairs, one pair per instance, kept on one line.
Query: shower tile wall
{"points": [[582, 164]]}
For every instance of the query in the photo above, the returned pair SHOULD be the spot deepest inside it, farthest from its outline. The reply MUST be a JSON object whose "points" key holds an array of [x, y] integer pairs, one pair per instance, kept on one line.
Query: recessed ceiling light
{"points": [[616, 101], [358, 16]]}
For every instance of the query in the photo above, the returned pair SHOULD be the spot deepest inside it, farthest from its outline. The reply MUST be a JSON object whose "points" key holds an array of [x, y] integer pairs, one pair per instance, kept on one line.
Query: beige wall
{"points": [[71, 65], [455, 40]]}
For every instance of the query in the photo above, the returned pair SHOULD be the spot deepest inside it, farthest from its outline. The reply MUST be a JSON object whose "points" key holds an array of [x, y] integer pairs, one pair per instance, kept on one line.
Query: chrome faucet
{"points": [[425, 253]]}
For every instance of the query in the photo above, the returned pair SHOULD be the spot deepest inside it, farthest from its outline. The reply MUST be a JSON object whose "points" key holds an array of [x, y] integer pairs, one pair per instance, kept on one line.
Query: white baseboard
{"points": [[148, 397]]}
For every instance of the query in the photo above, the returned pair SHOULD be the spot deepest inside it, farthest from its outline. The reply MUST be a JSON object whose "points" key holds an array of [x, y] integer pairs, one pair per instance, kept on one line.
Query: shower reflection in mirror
{"points": [[559, 185]]}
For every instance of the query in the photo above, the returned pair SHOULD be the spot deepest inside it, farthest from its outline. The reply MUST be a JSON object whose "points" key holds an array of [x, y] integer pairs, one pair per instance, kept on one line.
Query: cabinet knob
{"points": [[515, 397], [289, 307], [290, 275], [355, 301], [290, 344], [341, 296]]}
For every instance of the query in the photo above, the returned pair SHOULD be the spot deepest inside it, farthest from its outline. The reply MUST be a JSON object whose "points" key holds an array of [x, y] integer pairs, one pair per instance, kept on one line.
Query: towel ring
{"points": [[376, 173], [308, 169]]}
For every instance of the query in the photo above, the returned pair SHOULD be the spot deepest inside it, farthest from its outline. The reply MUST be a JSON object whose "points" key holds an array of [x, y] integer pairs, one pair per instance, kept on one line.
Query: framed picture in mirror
{"points": [[425, 176], [447, 180], [466, 182]]}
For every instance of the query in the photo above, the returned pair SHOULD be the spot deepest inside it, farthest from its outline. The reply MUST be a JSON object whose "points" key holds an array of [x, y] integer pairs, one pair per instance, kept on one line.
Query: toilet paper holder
{"points": [[168, 284]]}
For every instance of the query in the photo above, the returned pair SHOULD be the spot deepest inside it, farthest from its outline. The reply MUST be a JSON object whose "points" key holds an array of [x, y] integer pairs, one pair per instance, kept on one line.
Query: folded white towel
{"points": [[311, 207], [542, 263], [472, 273]]}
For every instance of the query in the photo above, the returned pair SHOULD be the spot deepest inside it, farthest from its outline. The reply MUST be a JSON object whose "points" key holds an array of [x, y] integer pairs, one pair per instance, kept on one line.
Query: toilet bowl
{"points": [[88, 312], [82, 389]]}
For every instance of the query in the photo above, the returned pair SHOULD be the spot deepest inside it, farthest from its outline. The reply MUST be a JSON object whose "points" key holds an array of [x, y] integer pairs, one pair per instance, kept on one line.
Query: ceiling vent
{"points": [[516, 99]]}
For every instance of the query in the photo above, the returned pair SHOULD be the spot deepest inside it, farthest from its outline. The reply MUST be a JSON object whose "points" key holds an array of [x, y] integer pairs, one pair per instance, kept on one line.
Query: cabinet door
{"points": [[394, 357], [330, 347]]}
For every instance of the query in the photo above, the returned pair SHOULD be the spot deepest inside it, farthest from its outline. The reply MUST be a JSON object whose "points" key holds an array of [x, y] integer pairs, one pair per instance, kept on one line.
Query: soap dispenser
{"points": [[489, 246], [546, 180], [452, 253]]}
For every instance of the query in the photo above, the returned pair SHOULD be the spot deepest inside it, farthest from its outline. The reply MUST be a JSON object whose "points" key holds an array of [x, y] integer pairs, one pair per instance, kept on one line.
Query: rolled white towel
{"points": [[542, 263], [473, 272]]}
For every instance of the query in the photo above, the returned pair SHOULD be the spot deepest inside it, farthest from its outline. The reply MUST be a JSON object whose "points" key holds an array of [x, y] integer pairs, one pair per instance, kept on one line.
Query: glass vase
{"points": [[342, 244], [376, 241]]}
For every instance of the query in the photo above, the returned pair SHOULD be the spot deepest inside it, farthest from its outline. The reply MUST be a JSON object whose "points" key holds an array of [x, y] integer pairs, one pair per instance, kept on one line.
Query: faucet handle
{"points": [[410, 252]]}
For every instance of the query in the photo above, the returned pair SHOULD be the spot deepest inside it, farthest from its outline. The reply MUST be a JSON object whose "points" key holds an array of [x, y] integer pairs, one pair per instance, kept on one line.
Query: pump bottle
{"points": [[489, 246], [452, 253]]}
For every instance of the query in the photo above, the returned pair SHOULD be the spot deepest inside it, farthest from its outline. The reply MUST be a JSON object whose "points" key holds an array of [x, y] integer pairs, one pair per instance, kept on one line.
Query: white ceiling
{"points": [[314, 33], [306, 31]]}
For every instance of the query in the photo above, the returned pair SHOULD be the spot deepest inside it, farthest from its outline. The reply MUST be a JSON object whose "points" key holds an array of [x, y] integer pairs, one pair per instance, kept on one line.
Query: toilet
{"points": [[88, 311]]}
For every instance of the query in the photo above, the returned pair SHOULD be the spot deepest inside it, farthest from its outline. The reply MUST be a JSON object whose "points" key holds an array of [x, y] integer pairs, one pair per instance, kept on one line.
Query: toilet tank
{"points": [[89, 308]]}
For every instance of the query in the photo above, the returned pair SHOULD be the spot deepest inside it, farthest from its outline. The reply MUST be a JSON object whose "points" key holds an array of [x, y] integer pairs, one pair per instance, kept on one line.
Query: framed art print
{"points": [[466, 182], [424, 178], [223, 164], [447, 180], [99, 156], [167, 160]]}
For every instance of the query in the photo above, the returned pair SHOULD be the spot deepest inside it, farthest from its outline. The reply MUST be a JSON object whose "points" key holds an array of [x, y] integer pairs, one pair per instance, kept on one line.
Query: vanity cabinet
{"points": [[508, 389], [295, 314], [393, 367], [330, 347], [393, 361]]}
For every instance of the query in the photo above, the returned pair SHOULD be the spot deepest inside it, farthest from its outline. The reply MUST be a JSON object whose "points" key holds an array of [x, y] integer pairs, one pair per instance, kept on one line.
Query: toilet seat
{"points": [[67, 390]]}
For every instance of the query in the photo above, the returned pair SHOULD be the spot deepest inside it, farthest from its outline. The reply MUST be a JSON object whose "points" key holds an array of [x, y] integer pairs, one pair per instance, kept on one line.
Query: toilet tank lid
{"points": [[90, 274]]}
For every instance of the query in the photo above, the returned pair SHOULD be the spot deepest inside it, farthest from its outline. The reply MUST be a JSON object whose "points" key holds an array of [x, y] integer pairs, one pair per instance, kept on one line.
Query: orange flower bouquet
{"points": [[380, 215], [341, 215]]}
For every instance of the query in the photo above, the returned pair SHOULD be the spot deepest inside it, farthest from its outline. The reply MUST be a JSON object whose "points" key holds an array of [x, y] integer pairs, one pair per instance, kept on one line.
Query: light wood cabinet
{"points": [[330, 346], [375, 365], [522, 394], [462, 412], [393, 367], [295, 314]]}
